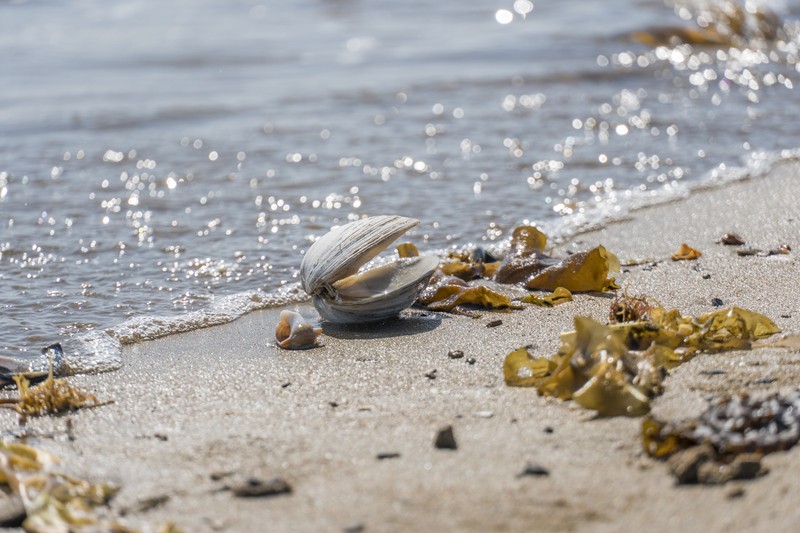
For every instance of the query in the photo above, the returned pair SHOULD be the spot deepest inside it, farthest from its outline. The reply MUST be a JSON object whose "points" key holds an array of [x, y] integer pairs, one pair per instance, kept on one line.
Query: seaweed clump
{"points": [[617, 369], [52, 396], [727, 440], [461, 278]]}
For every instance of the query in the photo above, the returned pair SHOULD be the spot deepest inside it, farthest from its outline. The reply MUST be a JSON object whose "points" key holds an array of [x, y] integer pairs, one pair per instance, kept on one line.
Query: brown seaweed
{"points": [[559, 296], [617, 369], [580, 272]]}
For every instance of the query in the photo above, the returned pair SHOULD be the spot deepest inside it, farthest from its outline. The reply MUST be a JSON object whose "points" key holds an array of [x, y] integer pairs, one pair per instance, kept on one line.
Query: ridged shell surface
{"points": [[342, 251], [329, 271]]}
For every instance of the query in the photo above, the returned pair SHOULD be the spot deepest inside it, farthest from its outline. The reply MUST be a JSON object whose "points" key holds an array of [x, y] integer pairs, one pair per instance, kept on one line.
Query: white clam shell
{"points": [[329, 271]]}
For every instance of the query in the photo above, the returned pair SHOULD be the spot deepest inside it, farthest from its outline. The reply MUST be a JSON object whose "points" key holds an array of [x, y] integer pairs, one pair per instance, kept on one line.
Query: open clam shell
{"points": [[330, 271]]}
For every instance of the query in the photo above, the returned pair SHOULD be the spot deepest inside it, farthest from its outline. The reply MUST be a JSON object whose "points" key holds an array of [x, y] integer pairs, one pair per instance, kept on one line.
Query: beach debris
{"points": [[51, 396], [686, 253], [526, 263], [445, 439], [533, 470], [630, 308], [36, 370], [559, 296], [732, 239], [387, 455], [53, 502], [448, 293], [431, 374], [254, 487], [617, 369], [455, 354], [494, 323], [464, 281], [341, 293], [294, 332], [727, 440]]}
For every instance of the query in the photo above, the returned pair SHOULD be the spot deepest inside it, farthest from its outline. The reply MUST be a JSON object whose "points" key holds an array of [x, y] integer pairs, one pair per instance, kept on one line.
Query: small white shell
{"points": [[294, 332], [329, 271]]}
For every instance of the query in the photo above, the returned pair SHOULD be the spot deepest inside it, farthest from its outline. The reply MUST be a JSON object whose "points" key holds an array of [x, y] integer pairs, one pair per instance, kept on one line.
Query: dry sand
{"points": [[194, 411]]}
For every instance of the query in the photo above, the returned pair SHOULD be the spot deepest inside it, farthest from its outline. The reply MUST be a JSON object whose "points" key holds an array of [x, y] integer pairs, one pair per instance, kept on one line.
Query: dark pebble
{"points": [[455, 354], [333, 404], [445, 439], [735, 492], [548, 429], [717, 302], [706, 276], [471, 360], [494, 323], [534, 470], [12, 511], [431, 374], [284, 385], [258, 488], [387, 455], [732, 239], [355, 528]]}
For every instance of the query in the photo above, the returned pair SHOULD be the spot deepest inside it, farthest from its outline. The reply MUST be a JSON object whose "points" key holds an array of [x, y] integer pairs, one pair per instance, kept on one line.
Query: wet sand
{"points": [[194, 412]]}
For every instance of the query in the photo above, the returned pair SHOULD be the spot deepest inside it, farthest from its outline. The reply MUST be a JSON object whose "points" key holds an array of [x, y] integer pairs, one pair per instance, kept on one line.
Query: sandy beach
{"points": [[351, 425]]}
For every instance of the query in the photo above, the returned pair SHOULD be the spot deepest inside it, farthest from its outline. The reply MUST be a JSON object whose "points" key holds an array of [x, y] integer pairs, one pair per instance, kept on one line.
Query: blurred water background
{"points": [[163, 165]]}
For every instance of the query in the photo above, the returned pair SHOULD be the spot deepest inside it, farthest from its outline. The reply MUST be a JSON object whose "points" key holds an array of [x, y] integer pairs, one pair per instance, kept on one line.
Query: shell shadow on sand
{"points": [[408, 323]]}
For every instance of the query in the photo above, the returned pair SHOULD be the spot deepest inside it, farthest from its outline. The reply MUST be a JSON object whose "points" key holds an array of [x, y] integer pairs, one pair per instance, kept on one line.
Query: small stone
{"points": [[747, 466], [534, 470], [548, 429], [484, 414], [706, 276], [355, 528], [255, 488], [12, 511], [747, 251], [732, 239], [220, 474], [431, 374], [735, 492], [494, 323], [455, 354], [445, 439], [471, 361], [161, 437], [717, 302], [713, 372], [684, 465], [284, 385], [387, 455]]}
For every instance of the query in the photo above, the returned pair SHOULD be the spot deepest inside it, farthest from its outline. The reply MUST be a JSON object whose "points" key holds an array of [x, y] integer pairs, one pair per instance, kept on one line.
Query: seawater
{"points": [[164, 165]]}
